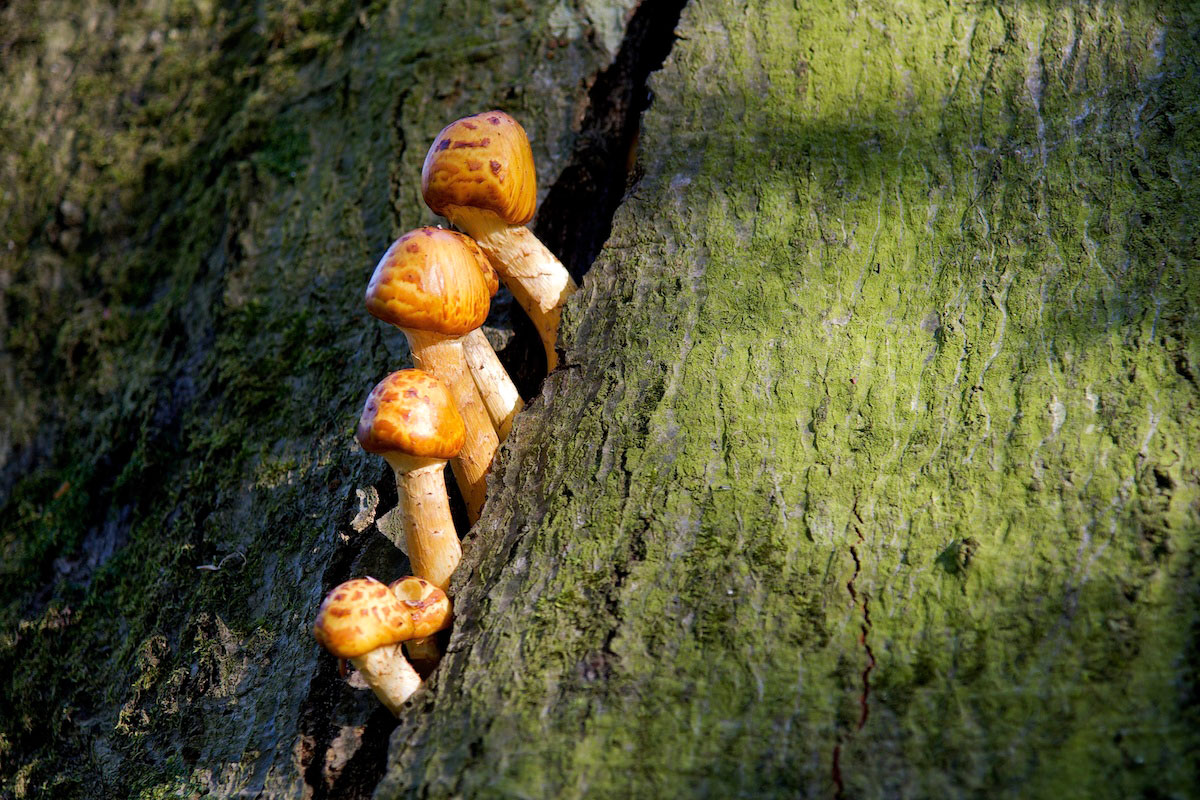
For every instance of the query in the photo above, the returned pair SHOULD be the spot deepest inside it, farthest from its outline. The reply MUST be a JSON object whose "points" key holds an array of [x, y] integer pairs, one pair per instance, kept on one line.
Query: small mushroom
{"points": [[410, 419], [429, 609], [479, 174], [430, 285], [363, 620]]}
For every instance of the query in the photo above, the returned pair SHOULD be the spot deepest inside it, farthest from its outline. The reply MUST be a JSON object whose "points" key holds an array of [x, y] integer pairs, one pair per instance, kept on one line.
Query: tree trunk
{"points": [[870, 469]]}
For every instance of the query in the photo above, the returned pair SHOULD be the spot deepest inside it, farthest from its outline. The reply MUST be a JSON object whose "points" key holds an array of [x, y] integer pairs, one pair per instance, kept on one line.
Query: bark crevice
{"points": [[328, 770], [576, 217]]}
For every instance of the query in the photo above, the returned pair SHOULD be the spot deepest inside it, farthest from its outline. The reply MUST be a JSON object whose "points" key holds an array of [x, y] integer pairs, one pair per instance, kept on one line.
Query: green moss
{"points": [[101, 529], [286, 149], [906, 279]]}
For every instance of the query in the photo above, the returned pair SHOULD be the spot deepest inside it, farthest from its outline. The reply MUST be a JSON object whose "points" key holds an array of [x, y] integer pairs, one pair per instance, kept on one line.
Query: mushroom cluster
{"points": [[365, 621], [459, 403]]}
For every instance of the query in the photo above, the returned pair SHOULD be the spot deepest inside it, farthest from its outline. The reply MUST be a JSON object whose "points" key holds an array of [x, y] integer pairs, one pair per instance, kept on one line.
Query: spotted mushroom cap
{"points": [[432, 279], [427, 605], [411, 412], [359, 616], [483, 162]]}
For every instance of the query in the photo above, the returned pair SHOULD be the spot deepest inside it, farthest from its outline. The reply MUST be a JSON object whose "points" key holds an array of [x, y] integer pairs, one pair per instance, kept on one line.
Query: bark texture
{"points": [[870, 470]]}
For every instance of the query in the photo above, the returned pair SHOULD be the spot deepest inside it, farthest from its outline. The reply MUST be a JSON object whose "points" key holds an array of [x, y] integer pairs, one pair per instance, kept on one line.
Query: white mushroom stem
{"points": [[389, 675], [495, 387], [538, 280], [431, 541], [443, 356]]}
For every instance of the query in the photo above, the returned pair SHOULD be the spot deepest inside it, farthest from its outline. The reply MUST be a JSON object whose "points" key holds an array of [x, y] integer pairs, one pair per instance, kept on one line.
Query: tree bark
{"points": [[870, 469]]}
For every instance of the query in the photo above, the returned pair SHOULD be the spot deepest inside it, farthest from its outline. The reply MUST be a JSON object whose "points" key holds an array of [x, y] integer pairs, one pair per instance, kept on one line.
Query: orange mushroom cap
{"points": [[483, 161], [427, 605], [411, 412], [432, 279], [359, 616]]}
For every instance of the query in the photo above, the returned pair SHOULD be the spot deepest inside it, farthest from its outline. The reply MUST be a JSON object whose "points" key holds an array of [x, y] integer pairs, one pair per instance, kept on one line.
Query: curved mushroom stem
{"points": [[389, 675], [443, 356], [495, 387], [431, 541], [538, 280]]}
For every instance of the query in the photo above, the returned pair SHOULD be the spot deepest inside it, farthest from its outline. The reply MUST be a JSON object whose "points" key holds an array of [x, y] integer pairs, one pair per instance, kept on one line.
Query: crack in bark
{"points": [[839, 786], [576, 217], [635, 554], [864, 631], [358, 777], [865, 697]]}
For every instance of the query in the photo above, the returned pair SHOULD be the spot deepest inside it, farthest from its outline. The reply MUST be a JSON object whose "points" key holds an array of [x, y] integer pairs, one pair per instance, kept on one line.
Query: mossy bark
{"points": [[194, 195], [871, 468], [871, 471]]}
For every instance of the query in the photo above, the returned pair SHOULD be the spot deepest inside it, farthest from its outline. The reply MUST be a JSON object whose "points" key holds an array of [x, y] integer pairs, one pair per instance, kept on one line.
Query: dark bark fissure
{"points": [[574, 222], [865, 697], [864, 603], [597, 666], [575, 219]]}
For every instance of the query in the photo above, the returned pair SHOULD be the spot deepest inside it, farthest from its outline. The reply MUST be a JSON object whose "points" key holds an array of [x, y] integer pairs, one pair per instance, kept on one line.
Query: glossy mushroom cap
{"points": [[359, 616], [435, 280], [411, 412], [482, 162], [427, 605]]}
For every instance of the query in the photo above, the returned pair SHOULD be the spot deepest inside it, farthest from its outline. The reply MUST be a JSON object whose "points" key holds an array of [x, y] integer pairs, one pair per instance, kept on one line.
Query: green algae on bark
{"points": [[872, 466]]}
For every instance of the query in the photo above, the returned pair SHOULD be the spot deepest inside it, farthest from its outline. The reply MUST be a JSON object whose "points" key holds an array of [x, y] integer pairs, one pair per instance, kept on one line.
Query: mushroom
{"points": [[430, 285], [363, 620], [429, 609], [410, 419], [479, 174]]}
